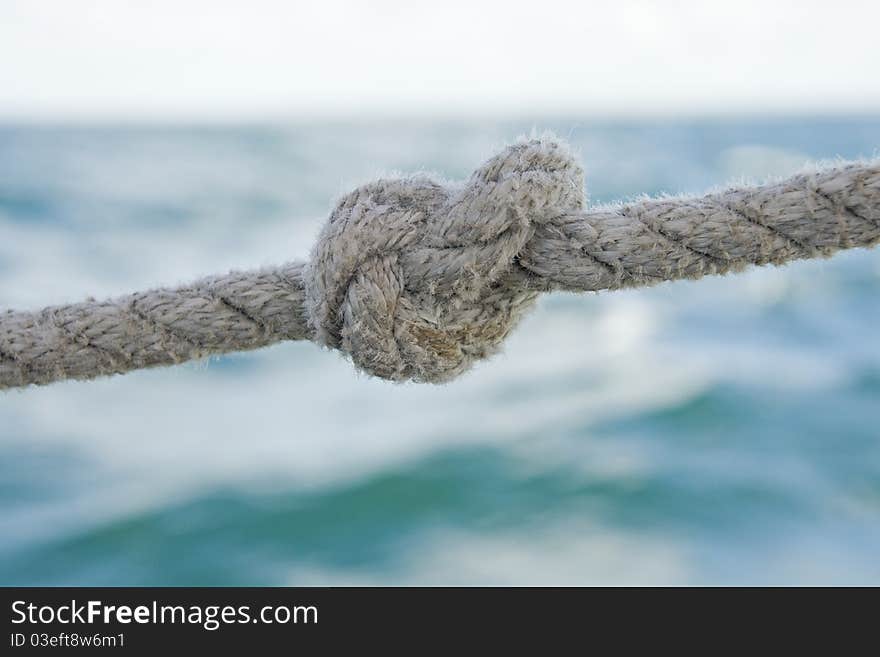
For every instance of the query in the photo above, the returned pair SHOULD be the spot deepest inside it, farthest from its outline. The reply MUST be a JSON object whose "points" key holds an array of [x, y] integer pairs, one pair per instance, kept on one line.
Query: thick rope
{"points": [[417, 280]]}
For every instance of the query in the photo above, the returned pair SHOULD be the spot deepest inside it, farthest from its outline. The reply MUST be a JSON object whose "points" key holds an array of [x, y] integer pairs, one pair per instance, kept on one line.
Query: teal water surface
{"points": [[722, 431]]}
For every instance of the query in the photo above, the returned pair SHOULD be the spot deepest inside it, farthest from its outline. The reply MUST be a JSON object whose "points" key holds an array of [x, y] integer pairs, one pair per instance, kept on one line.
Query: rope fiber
{"points": [[417, 280]]}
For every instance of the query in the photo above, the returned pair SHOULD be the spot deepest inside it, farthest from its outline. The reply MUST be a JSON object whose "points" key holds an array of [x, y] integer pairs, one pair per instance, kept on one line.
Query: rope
{"points": [[416, 280]]}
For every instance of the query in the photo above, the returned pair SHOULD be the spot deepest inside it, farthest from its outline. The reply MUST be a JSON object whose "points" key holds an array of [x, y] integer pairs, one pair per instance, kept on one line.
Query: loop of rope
{"points": [[416, 280], [407, 274]]}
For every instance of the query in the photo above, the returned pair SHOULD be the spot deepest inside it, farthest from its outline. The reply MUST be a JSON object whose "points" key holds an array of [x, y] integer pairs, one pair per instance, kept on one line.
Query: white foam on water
{"points": [[565, 555]]}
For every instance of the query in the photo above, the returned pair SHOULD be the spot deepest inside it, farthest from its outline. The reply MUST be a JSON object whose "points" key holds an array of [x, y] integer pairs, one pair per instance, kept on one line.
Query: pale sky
{"points": [[253, 59]]}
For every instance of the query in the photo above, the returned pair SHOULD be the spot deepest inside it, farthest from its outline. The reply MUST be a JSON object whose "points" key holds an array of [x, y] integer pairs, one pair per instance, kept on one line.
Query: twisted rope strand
{"points": [[236, 312], [417, 281]]}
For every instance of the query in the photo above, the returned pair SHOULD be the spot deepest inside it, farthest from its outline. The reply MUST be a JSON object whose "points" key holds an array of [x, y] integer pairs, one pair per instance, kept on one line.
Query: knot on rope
{"points": [[416, 280]]}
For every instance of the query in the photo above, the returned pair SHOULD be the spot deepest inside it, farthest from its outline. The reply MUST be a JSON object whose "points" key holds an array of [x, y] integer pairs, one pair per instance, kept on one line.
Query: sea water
{"points": [[722, 431]]}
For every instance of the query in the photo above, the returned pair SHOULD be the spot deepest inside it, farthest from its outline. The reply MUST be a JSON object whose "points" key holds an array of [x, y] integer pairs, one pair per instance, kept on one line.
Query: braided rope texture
{"points": [[417, 280]]}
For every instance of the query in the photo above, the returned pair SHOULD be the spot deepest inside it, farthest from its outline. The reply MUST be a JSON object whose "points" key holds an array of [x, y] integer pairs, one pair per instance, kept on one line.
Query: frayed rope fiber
{"points": [[417, 280]]}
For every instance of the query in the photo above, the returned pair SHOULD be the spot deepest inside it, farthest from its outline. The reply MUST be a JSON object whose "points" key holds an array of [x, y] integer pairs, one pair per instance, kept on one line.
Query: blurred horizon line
{"points": [[281, 118]]}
